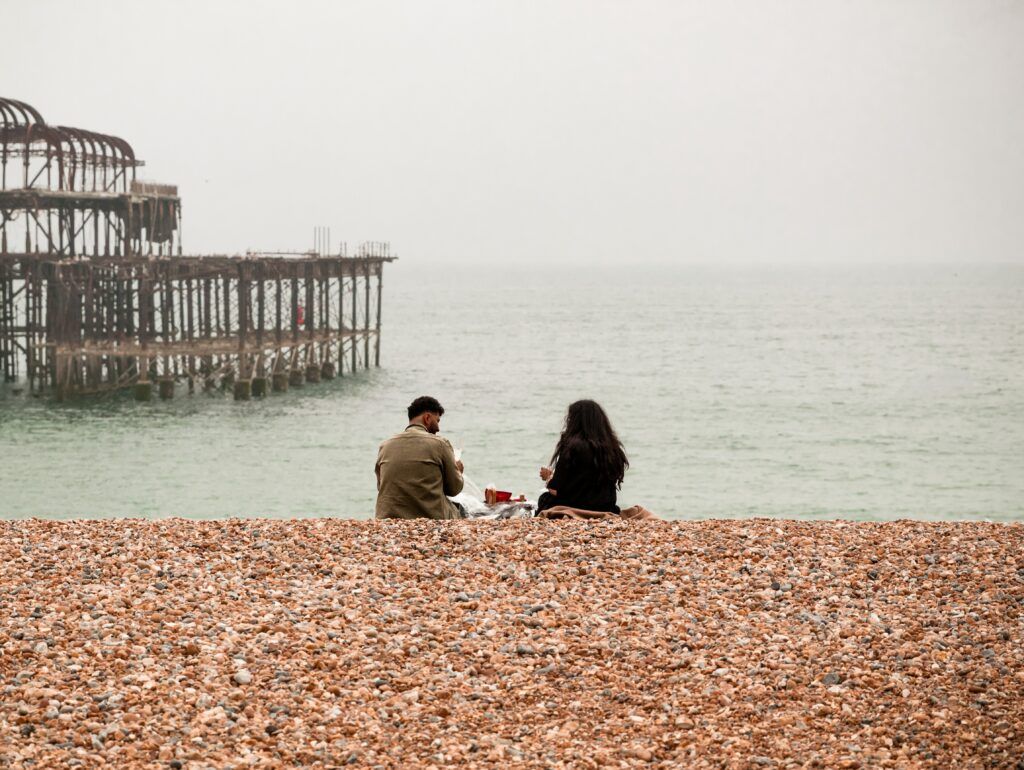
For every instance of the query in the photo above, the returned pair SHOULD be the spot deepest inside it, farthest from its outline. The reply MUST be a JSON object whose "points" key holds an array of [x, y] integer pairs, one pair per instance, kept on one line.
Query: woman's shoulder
{"points": [[574, 449]]}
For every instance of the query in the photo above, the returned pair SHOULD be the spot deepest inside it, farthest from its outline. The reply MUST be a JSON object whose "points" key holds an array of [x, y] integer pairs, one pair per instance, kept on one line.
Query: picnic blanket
{"points": [[635, 513]]}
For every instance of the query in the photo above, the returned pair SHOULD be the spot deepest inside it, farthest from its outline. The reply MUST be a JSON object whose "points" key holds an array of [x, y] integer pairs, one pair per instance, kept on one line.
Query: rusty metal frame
{"points": [[100, 296]]}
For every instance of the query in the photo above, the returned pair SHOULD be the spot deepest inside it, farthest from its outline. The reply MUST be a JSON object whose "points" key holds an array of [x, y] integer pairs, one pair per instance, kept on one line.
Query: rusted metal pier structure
{"points": [[96, 295]]}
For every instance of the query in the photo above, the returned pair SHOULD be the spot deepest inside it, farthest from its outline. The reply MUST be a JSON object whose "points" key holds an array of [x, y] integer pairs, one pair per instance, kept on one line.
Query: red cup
{"points": [[502, 497]]}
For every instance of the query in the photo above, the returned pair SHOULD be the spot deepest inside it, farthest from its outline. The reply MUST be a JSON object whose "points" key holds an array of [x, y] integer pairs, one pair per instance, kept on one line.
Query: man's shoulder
{"points": [[392, 440], [416, 437]]}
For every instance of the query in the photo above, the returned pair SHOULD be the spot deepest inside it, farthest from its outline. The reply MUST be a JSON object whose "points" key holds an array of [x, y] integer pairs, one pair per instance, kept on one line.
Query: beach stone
{"points": [[440, 642]]}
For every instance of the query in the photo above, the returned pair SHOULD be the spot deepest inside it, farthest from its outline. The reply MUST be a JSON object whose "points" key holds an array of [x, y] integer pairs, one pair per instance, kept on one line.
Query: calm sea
{"points": [[862, 393]]}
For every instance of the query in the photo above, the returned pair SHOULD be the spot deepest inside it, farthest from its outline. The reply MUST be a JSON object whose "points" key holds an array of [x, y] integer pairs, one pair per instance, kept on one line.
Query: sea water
{"points": [[867, 392]]}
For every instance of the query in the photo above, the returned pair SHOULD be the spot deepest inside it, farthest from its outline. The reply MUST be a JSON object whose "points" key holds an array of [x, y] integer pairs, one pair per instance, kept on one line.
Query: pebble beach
{"points": [[529, 643]]}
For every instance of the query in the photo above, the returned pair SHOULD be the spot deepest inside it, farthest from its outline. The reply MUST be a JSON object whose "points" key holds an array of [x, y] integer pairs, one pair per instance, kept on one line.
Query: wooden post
{"points": [[260, 310], [278, 332], [180, 361], [191, 331], [311, 315], [380, 293], [206, 325], [324, 290], [341, 317], [166, 318], [89, 326], [295, 375], [144, 389], [355, 321], [56, 303], [295, 307], [366, 316], [278, 328], [226, 281], [243, 322]]}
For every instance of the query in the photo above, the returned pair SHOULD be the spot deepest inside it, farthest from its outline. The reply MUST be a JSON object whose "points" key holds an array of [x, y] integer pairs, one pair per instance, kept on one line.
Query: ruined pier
{"points": [[96, 294]]}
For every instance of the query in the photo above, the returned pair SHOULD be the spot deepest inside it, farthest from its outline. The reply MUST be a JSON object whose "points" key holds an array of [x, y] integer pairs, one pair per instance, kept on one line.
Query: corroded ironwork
{"points": [[96, 295]]}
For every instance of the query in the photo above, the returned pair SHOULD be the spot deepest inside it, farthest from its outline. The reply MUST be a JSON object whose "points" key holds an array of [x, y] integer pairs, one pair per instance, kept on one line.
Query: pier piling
{"points": [[166, 388]]}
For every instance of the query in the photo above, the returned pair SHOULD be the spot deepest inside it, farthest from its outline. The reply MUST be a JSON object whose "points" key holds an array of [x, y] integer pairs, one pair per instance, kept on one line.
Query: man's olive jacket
{"points": [[415, 474]]}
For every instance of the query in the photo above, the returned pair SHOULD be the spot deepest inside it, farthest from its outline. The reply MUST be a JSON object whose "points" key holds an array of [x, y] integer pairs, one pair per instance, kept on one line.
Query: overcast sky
{"points": [[737, 131]]}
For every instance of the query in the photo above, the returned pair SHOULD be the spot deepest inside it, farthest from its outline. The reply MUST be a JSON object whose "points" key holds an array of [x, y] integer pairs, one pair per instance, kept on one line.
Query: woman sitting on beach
{"points": [[588, 464]]}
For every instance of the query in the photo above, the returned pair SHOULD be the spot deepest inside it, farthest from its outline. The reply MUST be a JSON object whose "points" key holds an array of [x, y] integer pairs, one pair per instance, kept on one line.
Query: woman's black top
{"points": [[579, 484]]}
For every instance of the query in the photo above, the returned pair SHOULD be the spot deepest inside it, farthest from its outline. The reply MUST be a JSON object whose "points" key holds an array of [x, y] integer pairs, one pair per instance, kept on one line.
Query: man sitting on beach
{"points": [[417, 469]]}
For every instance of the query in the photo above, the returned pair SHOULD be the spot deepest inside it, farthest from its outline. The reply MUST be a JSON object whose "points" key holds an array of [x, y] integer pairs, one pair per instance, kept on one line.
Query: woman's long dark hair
{"points": [[588, 433]]}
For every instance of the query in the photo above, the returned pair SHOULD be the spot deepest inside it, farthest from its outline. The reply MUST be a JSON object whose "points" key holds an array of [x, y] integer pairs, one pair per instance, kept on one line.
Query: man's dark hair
{"points": [[425, 404]]}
